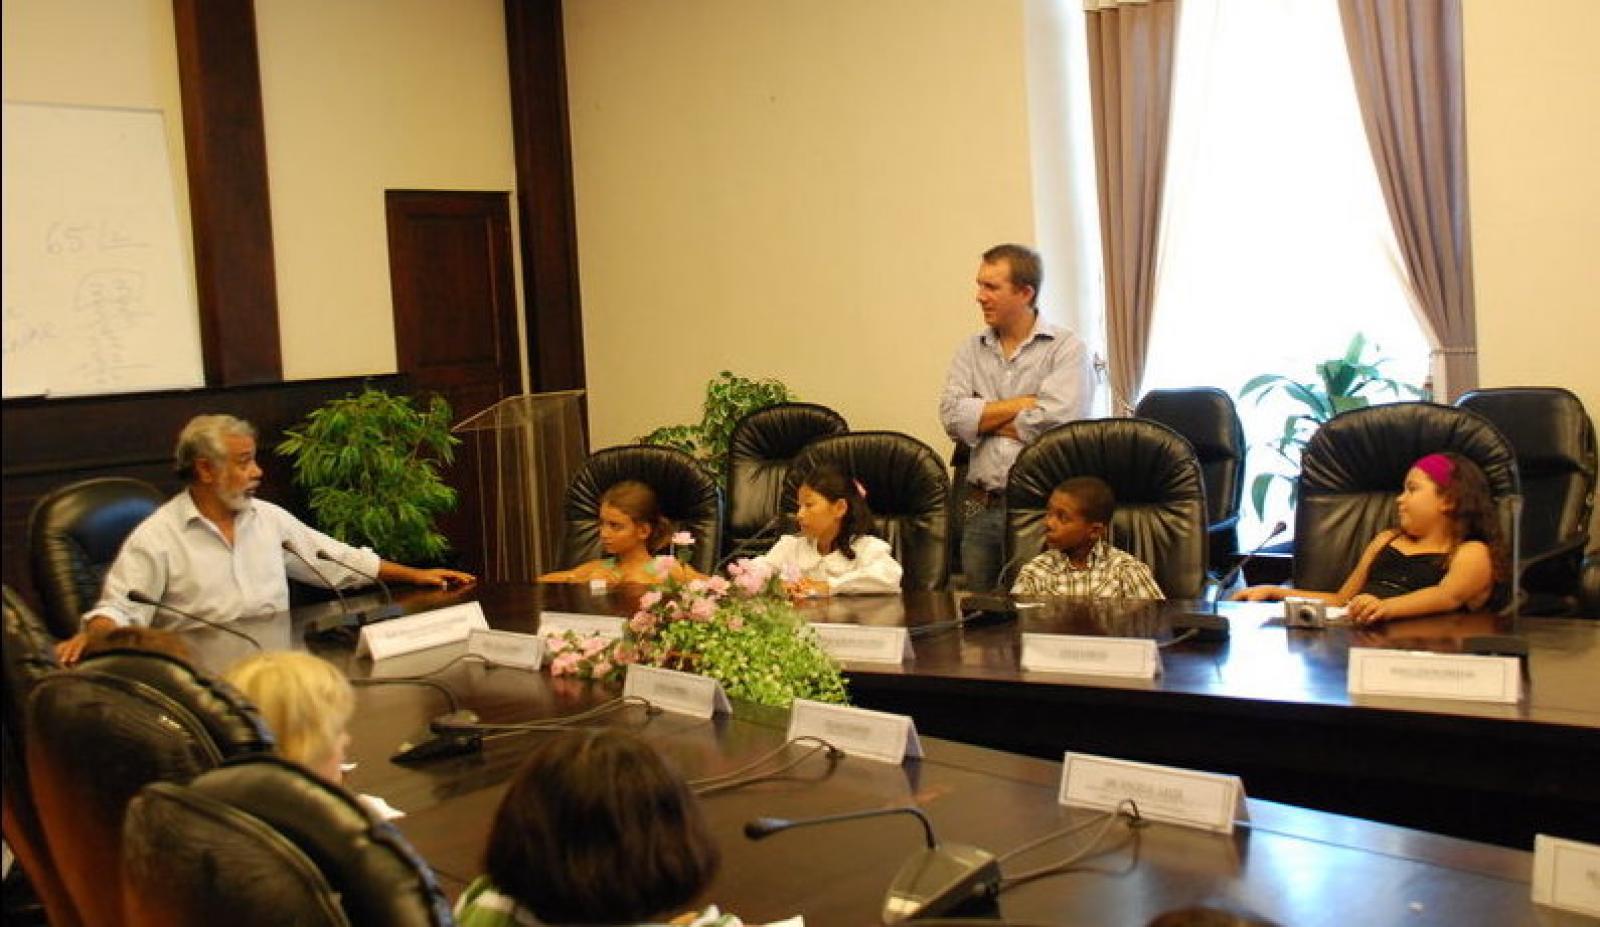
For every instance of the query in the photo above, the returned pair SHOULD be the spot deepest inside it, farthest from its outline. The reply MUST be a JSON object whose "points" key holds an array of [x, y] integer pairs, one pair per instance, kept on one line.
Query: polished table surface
{"points": [[1294, 865], [1270, 704]]}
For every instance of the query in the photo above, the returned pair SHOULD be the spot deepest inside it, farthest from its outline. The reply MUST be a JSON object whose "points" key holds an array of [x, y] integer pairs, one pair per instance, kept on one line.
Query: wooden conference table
{"points": [[1294, 865]]}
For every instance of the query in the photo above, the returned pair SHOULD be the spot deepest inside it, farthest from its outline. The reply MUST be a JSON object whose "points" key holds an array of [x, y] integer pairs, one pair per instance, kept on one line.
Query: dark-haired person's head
{"points": [[1024, 268], [837, 497], [1464, 493], [596, 829], [640, 511], [1078, 515]]}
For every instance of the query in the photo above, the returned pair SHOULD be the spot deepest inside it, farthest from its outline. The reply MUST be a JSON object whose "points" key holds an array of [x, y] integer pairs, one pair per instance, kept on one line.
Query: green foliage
{"points": [[370, 464], [728, 398], [1342, 384], [760, 650]]}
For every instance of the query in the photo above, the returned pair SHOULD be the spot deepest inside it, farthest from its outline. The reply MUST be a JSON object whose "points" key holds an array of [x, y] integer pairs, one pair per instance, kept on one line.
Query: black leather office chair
{"points": [[1554, 440], [73, 535], [960, 461], [28, 656], [122, 720], [269, 842], [1152, 470], [687, 494], [907, 491], [760, 450], [1206, 417], [1355, 466]]}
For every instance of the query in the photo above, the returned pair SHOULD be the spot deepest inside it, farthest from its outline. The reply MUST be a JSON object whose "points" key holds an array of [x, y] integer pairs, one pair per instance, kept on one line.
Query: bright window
{"points": [[1276, 247]]}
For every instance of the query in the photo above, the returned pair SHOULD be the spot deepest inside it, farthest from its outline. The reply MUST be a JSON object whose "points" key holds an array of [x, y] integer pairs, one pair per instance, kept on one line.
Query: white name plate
{"points": [[873, 735], [556, 624], [684, 693], [1209, 801], [863, 643], [1566, 874], [421, 631], [1419, 674], [506, 648], [1128, 657]]}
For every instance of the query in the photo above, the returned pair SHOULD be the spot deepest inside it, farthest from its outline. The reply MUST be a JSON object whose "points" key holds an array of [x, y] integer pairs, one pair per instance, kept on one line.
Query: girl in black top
{"points": [[1445, 556]]}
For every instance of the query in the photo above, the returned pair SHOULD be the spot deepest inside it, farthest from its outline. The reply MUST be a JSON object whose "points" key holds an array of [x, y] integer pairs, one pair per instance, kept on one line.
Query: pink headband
{"points": [[1439, 468]]}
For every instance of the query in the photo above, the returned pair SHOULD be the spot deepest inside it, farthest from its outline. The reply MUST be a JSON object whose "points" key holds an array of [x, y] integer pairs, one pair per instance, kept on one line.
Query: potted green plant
{"points": [[370, 465], [728, 398], [1342, 384]]}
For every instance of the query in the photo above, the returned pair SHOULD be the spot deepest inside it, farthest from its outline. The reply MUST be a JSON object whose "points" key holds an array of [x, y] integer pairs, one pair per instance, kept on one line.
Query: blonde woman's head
{"points": [[306, 702]]}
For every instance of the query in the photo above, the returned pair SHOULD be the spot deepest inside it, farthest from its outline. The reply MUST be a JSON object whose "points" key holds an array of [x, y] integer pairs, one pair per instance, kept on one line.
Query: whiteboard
{"points": [[98, 294]]}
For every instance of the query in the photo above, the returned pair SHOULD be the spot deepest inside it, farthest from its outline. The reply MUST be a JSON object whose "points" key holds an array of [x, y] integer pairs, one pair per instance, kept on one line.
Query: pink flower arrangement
{"points": [[699, 600]]}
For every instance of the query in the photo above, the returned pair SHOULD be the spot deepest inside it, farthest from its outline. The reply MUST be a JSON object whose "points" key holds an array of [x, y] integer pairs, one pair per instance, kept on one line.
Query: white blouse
{"points": [[873, 569]]}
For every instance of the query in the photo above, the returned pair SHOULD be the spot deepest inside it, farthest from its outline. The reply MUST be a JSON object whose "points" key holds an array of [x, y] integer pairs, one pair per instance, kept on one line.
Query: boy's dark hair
{"points": [[597, 830], [1096, 502], [639, 502], [832, 484]]}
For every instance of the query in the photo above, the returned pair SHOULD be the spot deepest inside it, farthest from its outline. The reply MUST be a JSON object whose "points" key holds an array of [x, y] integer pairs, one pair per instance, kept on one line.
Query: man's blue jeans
{"points": [[982, 548]]}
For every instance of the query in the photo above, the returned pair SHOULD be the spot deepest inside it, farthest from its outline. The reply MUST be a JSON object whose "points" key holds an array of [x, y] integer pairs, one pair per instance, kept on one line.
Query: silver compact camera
{"points": [[1305, 613]]}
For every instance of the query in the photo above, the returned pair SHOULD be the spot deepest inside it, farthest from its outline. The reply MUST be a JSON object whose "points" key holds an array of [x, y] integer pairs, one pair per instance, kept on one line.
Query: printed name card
{"points": [[1420, 674], [421, 631], [1566, 874], [862, 643], [873, 735], [1209, 801], [556, 624], [506, 648], [1127, 657], [684, 693]]}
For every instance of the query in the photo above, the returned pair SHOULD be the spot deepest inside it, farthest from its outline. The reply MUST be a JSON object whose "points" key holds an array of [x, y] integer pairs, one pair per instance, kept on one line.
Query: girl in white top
{"points": [[834, 553]]}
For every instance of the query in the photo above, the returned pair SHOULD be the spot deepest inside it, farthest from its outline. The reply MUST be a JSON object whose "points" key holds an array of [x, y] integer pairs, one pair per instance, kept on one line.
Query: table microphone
{"points": [[135, 595], [344, 605], [383, 612], [1207, 625], [938, 879], [732, 555]]}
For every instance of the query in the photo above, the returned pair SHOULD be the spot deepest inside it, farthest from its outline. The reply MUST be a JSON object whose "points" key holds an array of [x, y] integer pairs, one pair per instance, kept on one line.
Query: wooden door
{"points": [[455, 325]]}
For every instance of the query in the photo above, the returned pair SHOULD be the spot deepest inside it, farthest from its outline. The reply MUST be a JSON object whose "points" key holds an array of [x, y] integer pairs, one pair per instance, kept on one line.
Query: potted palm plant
{"points": [[1342, 383]]}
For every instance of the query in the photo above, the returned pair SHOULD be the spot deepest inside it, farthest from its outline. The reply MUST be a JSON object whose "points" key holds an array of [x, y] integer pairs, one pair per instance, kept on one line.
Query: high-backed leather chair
{"points": [[687, 494], [270, 843], [1160, 496], [1355, 465], [28, 655], [908, 492], [122, 720], [1206, 417], [73, 535], [760, 450], [1554, 440]]}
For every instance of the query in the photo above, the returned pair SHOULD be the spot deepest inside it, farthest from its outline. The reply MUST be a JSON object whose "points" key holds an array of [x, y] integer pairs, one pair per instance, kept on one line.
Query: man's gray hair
{"points": [[203, 437]]}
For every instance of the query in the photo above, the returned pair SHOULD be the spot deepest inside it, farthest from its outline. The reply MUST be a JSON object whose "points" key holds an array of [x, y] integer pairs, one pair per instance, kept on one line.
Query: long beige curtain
{"points": [[1406, 58], [1130, 83]]}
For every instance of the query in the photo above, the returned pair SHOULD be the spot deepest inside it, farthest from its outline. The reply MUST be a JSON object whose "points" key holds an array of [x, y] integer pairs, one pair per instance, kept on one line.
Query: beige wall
{"points": [[360, 96], [1533, 136], [1533, 133], [798, 190]]}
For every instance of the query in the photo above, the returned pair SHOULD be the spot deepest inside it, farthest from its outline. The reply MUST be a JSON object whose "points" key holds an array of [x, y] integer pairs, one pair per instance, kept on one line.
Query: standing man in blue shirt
{"points": [[1008, 384]]}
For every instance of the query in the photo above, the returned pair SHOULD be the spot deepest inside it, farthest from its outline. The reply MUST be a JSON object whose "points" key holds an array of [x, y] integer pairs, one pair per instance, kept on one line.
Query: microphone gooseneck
{"points": [[762, 532], [1228, 577], [389, 609], [344, 605], [135, 595], [761, 828]]}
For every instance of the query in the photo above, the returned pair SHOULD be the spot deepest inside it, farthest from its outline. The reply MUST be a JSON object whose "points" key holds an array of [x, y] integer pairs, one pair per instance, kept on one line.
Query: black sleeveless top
{"points": [[1393, 573]]}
